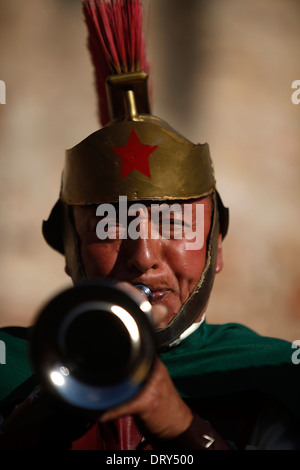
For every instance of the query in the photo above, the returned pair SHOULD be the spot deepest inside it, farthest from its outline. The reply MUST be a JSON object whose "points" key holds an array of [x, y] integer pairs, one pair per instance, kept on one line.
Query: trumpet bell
{"points": [[93, 345]]}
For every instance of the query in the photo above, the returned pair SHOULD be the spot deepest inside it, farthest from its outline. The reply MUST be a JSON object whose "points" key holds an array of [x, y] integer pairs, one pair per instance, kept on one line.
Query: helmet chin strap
{"points": [[193, 306], [198, 299]]}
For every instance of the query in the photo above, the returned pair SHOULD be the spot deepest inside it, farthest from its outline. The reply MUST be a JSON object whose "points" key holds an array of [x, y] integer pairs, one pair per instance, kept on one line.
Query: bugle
{"points": [[93, 345]]}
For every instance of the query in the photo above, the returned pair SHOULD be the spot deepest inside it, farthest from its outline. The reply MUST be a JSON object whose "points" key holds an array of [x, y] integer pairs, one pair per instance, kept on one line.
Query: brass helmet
{"points": [[134, 154]]}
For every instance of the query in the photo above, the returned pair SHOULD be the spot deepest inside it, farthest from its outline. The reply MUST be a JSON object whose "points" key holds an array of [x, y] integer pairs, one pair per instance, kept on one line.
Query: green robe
{"points": [[218, 360], [220, 370]]}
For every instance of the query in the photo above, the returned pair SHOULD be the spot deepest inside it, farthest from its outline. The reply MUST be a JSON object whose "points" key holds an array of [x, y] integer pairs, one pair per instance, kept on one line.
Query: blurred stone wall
{"points": [[221, 73]]}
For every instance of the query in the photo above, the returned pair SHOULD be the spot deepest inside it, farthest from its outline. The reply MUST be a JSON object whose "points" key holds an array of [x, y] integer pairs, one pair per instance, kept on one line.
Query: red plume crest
{"points": [[116, 42]]}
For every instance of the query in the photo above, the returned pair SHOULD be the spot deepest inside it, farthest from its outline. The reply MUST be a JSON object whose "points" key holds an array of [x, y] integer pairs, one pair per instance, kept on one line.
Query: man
{"points": [[172, 272], [212, 387]]}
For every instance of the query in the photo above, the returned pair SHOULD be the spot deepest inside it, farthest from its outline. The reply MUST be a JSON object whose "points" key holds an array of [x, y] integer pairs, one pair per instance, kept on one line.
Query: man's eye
{"points": [[110, 226], [110, 230], [170, 228], [178, 222]]}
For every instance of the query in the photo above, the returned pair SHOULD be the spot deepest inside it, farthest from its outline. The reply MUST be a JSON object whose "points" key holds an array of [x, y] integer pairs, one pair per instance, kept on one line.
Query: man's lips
{"points": [[159, 295]]}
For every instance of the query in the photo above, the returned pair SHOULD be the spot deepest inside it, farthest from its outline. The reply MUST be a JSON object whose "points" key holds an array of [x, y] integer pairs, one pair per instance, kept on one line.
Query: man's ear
{"points": [[219, 265]]}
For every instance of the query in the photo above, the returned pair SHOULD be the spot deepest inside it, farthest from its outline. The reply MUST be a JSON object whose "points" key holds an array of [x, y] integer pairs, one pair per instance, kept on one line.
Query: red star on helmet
{"points": [[135, 156]]}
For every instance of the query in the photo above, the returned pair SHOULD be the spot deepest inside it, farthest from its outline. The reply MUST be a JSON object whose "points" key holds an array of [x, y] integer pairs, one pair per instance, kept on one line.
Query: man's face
{"points": [[162, 262]]}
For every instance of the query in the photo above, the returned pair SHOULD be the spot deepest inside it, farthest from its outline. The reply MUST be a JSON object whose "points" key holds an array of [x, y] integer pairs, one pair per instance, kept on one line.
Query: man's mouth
{"points": [[159, 295]]}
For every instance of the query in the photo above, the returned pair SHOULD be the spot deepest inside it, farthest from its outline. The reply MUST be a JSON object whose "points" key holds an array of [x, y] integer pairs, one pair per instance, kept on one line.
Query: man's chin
{"points": [[162, 317]]}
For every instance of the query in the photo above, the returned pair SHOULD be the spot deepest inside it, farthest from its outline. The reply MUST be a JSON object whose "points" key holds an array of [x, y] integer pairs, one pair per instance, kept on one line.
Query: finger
{"points": [[128, 408], [137, 403]]}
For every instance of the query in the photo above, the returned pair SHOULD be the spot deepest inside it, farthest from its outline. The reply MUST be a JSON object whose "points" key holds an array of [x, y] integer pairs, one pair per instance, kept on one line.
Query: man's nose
{"points": [[143, 254]]}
